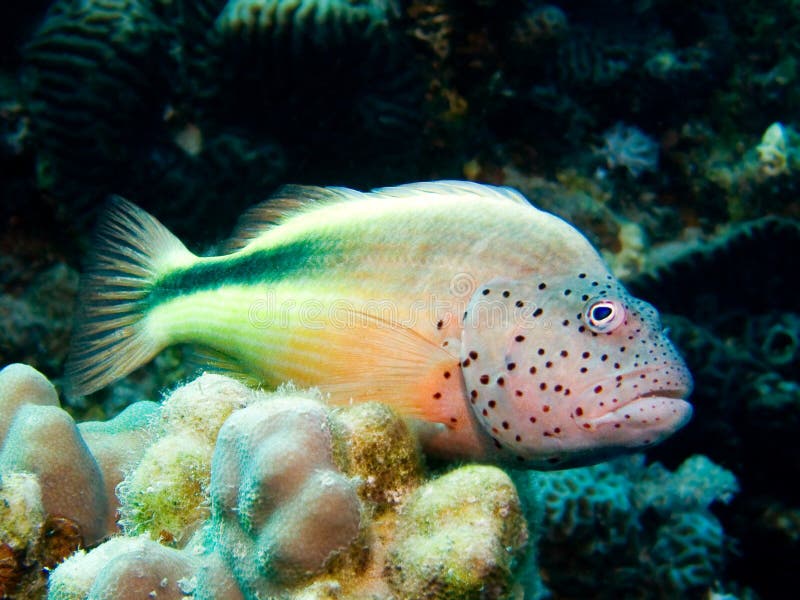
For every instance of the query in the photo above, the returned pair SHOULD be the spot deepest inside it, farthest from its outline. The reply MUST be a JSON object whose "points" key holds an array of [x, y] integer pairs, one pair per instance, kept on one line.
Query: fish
{"points": [[494, 327]]}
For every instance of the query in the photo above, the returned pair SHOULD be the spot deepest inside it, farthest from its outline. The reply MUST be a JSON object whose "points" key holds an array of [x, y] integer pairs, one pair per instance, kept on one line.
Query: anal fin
{"points": [[202, 359]]}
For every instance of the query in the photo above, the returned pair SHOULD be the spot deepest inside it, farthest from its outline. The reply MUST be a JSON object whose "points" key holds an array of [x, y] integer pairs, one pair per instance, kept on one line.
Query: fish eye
{"points": [[604, 315]]}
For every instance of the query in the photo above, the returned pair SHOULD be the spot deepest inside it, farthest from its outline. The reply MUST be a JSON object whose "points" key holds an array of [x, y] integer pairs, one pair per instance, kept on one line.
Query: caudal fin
{"points": [[110, 337]]}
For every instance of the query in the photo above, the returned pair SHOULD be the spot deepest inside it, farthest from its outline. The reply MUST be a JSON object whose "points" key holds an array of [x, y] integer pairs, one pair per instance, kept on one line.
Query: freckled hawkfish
{"points": [[494, 326]]}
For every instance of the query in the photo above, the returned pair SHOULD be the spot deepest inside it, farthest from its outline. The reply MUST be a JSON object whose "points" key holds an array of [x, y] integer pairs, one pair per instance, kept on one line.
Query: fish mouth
{"points": [[665, 410]]}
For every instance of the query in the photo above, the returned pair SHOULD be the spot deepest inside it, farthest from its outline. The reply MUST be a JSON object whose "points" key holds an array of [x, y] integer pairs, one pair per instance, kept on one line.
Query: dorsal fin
{"points": [[288, 201], [451, 188]]}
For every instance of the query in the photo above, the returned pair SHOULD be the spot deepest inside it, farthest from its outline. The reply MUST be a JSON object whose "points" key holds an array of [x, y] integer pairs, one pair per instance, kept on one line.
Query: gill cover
{"points": [[499, 320]]}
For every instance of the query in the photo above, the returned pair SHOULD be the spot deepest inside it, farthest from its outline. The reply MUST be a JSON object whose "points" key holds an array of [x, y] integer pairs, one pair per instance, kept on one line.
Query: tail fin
{"points": [[132, 250]]}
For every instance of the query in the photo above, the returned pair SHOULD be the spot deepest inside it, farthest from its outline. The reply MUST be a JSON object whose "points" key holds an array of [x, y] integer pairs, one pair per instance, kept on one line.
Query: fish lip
{"points": [[682, 410], [674, 393]]}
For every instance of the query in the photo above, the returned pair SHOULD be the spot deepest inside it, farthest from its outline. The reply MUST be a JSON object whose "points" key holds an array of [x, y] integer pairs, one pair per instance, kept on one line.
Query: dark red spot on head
{"points": [[486, 292], [447, 374], [501, 382], [585, 355], [532, 419], [598, 389], [542, 286], [518, 438], [520, 338], [564, 353], [518, 393], [485, 412], [474, 393], [545, 408], [558, 387], [587, 426], [492, 403], [465, 362], [439, 324], [537, 312], [543, 386], [532, 370], [506, 294], [548, 364], [505, 425], [511, 366], [453, 420], [579, 411], [540, 351], [473, 355], [520, 303], [437, 395], [557, 430]]}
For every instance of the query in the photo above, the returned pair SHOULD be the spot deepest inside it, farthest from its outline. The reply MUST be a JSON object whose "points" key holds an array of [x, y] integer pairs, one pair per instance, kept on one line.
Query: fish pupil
{"points": [[601, 313]]}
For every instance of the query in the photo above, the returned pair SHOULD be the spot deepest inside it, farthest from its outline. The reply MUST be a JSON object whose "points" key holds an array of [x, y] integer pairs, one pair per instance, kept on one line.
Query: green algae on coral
{"points": [[458, 536]]}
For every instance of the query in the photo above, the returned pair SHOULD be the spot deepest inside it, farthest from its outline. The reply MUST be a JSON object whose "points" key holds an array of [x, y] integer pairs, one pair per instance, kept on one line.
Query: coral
{"points": [[301, 501], [62, 475], [747, 264], [642, 531], [116, 446], [196, 99], [164, 493], [123, 568], [20, 385], [93, 90], [374, 446], [21, 525], [37, 310], [537, 28], [332, 22], [779, 150], [630, 148], [45, 441], [280, 507], [473, 508]]}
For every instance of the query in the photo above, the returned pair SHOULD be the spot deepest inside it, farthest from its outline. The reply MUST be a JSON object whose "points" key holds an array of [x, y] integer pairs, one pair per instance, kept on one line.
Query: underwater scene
{"points": [[399, 299]]}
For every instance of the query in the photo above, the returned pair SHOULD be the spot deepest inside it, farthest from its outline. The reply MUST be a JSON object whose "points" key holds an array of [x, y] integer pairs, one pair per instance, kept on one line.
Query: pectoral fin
{"points": [[384, 361]]}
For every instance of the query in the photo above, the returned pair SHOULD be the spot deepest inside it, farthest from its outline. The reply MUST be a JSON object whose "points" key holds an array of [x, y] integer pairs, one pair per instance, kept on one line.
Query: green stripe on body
{"points": [[250, 268]]}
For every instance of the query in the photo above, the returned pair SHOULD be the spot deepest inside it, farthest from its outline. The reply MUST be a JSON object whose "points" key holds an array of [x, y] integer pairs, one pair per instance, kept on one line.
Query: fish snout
{"points": [[644, 420]]}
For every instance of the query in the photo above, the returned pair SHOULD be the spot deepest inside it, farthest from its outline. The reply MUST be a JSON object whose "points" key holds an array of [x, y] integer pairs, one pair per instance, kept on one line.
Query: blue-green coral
{"points": [[626, 529]]}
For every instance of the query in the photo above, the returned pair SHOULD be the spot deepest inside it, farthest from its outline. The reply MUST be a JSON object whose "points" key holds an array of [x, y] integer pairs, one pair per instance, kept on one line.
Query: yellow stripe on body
{"points": [[278, 333]]}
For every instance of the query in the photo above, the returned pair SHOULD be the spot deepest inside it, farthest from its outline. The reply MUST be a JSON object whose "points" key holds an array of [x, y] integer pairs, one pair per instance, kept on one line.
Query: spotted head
{"points": [[570, 370]]}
